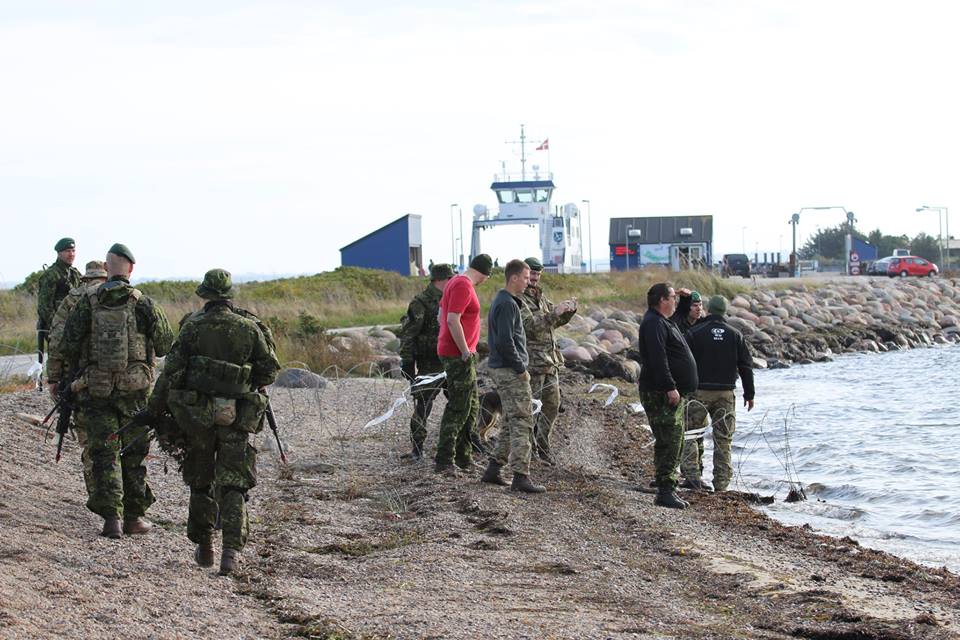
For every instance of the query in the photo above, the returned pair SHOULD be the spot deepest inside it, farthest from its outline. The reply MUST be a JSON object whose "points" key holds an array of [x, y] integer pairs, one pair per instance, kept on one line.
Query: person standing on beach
{"points": [[721, 355], [668, 375], [55, 283], [112, 336], [689, 309], [540, 318], [419, 331], [508, 367], [457, 348]]}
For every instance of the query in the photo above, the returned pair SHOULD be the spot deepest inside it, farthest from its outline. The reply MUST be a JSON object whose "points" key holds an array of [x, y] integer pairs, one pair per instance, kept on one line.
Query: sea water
{"points": [[872, 438]]}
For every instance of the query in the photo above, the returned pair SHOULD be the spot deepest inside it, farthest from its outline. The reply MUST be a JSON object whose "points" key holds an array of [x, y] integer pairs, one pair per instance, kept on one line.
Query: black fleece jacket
{"points": [[721, 354], [666, 361]]}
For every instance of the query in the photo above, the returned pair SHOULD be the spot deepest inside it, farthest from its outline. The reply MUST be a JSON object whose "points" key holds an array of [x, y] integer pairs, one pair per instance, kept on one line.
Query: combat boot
{"points": [[414, 456], [492, 474], [229, 560], [696, 484], [136, 526], [667, 498], [204, 554], [521, 483], [543, 452], [112, 528]]}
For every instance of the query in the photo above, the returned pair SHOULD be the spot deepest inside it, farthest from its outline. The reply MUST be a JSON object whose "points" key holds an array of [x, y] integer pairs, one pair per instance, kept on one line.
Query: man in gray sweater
{"points": [[508, 368]]}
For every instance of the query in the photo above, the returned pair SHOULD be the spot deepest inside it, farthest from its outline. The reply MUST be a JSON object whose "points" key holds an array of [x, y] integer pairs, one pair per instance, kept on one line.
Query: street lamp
{"points": [[743, 239], [589, 234], [460, 231], [626, 245], [453, 242], [795, 219], [941, 213]]}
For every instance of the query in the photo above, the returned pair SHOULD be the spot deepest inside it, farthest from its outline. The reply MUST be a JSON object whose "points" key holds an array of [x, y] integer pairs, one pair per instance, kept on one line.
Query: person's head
{"points": [[517, 276], [95, 272], [696, 306], [717, 305], [217, 285], [66, 250], [662, 298], [440, 274], [120, 261], [480, 268], [536, 268]]}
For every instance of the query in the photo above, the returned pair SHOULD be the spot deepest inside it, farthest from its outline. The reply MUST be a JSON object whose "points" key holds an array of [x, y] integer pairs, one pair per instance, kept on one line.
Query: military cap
{"points": [[217, 285], [534, 264], [63, 244], [440, 272], [121, 250], [695, 297], [482, 263], [95, 269], [717, 305]]}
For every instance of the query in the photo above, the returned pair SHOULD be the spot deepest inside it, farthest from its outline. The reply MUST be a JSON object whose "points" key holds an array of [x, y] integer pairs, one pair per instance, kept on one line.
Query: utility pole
{"points": [[589, 234]]}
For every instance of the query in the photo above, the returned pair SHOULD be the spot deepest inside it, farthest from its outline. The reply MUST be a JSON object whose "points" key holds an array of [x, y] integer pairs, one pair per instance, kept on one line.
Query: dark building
{"points": [[676, 242], [394, 247]]}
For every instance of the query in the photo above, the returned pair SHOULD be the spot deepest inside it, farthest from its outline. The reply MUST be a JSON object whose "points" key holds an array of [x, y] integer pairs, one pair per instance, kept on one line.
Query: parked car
{"points": [[879, 267], [911, 266], [736, 264]]}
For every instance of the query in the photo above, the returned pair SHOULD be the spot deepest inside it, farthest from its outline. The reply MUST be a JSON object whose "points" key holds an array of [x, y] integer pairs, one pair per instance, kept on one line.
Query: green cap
{"points": [[63, 244], [121, 250], [695, 297], [94, 270], [217, 285], [534, 264], [482, 263], [440, 272], [717, 305]]}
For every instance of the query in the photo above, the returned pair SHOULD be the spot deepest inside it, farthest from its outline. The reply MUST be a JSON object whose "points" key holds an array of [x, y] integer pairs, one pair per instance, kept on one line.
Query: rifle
{"points": [[65, 402], [272, 421], [41, 329]]}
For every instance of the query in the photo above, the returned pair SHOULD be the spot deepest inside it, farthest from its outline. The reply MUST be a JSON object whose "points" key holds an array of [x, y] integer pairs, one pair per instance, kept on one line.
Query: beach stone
{"points": [[581, 324], [740, 301], [576, 354], [563, 342], [300, 379], [743, 326], [626, 328], [759, 363], [948, 321], [378, 332], [624, 316]]}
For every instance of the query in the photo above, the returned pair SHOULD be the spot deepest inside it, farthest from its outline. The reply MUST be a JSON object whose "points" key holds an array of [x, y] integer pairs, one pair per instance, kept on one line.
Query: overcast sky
{"points": [[263, 136]]}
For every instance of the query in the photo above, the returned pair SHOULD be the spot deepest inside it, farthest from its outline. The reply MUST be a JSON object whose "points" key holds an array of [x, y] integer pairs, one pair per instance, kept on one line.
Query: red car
{"points": [[904, 266]]}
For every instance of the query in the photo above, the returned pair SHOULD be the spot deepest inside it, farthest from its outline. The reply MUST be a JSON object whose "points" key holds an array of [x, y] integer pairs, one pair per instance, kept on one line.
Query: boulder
{"points": [[576, 354], [300, 379], [563, 342]]}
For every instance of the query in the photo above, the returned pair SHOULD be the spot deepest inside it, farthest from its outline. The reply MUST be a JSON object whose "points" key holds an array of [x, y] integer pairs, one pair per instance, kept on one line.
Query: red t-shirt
{"points": [[459, 296]]}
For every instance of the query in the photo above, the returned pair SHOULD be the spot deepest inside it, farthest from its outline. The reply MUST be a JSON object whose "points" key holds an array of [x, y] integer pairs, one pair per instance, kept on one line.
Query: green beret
{"points": [[63, 244], [121, 250], [534, 264], [441, 272], [695, 297], [482, 263], [217, 285]]}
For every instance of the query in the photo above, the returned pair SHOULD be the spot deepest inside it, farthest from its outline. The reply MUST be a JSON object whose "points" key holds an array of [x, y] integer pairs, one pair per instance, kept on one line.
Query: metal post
{"points": [[626, 245], [453, 242], [461, 237], [946, 214], [589, 234]]}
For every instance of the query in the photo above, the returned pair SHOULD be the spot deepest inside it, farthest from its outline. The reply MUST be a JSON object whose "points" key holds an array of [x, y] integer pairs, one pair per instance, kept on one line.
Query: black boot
{"points": [[521, 483], [696, 484], [229, 560], [492, 474], [112, 528], [667, 498], [204, 554], [415, 455]]}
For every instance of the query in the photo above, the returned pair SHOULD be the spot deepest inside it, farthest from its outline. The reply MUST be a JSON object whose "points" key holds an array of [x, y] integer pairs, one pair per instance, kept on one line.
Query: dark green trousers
{"points": [[666, 422], [460, 414]]}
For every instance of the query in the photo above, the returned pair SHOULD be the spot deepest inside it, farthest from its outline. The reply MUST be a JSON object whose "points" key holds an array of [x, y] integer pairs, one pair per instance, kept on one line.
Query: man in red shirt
{"points": [[457, 348]]}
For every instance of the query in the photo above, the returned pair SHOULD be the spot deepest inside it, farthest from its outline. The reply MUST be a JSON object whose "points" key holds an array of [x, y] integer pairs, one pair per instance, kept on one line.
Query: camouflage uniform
{"points": [[418, 355], [721, 406], [539, 321], [112, 335], [55, 283], [514, 445], [209, 384], [460, 415], [666, 422]]}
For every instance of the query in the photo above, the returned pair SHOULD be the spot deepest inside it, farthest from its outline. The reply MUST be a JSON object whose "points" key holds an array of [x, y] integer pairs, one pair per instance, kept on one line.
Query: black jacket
{"points": [[665, 358], [505, 334], [721, 354]]}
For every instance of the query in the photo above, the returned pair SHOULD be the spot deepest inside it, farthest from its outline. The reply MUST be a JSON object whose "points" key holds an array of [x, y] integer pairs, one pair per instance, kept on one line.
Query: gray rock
{"points": [[300, 379]]}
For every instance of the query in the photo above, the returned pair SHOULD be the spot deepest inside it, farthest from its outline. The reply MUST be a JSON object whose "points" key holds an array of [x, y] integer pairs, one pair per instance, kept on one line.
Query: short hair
{"points": [[658, 292], [514, 267]]}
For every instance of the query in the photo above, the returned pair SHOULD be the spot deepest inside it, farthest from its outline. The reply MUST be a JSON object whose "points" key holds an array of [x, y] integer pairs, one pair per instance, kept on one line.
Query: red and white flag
{"points": [[545, 146]]}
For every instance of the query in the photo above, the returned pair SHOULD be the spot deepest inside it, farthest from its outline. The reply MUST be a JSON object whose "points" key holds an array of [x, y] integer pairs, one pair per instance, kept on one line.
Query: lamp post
{"points": [[453, 242], [460, 230], [941, 213], [589, 234], [795, 219], [743, 239], [626, 245]]}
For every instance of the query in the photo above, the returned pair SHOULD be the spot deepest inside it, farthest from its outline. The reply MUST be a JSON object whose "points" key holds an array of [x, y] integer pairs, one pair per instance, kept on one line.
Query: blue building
{"points": [[393, 247], [675, 242]]}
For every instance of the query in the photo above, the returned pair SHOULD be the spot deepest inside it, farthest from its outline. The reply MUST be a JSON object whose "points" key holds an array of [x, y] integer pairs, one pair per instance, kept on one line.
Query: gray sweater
{"points": [[505, 335]]}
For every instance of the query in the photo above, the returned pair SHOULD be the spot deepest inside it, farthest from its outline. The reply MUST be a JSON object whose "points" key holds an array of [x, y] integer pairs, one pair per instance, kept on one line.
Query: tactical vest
{"points": [[117, 357], [427, 340]]}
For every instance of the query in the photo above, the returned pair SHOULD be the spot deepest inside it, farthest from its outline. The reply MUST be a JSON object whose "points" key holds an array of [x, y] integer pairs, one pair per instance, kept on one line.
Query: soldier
{"points": [[418, 352], [111, 337], [213, 383], [540, 318], [94, 276], [721, 355], [55, 283], [457, 348], [508, 367], [689, 309]]}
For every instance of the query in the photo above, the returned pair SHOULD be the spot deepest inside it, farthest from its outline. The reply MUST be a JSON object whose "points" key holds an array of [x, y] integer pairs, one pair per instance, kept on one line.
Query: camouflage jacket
{"points": [[55, 364], [151, 322], [419, 330], [55, 283], [539, 321]]}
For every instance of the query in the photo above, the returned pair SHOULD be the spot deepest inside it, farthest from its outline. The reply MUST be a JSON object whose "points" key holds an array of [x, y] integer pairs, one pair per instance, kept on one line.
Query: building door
{"points": [[686, 256]]}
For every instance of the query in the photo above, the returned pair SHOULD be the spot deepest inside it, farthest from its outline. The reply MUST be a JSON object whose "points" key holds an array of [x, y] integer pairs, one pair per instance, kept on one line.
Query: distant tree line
{"points": [[829, 243]]}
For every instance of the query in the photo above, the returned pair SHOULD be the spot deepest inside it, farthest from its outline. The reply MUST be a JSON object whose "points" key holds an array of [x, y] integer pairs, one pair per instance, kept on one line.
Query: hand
{"points": [[683, 291], [673, 397], [748, 404], [466, 356], [525, 376]]}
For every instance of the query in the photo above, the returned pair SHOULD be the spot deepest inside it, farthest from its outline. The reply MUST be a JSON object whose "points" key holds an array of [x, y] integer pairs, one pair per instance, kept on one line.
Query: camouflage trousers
{"points": [[423, 397], [720, 406], [117, 485], [220, 468], [460, 415], [516, 425], [85, 458], [545, 386], [666, 422]]}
